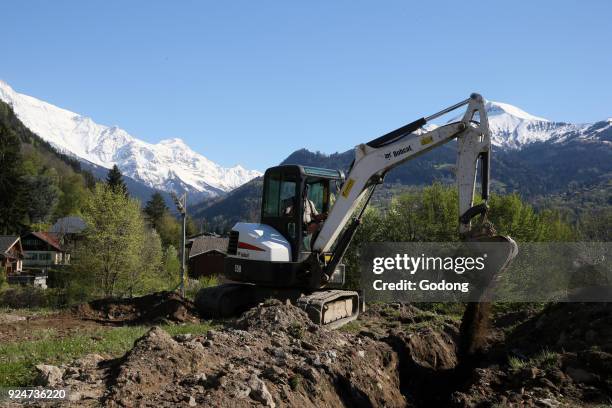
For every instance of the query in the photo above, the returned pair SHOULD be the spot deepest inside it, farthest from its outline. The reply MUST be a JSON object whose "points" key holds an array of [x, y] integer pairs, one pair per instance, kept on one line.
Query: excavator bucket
{"points": [[500, 250]]}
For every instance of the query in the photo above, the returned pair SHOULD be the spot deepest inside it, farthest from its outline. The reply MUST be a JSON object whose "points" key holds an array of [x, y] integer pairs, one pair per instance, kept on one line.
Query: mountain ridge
{"points": [[580, 158], [166, 165]]}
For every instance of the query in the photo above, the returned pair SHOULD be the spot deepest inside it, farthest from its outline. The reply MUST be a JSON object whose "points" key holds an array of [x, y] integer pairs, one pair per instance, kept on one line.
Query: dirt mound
{"points": [[153, 308], [395, 355], [154, 364], [282, 360], [560, 356], [274, 315], [566, 326]]}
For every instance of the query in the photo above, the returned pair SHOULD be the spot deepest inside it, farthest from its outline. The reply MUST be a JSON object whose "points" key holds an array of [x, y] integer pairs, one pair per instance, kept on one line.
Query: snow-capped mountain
{"points": [[513, 128], [167, 165]]}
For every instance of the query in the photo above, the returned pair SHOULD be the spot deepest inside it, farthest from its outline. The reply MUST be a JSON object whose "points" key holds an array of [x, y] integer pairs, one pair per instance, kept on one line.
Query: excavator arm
{"points": [[375, 158]]}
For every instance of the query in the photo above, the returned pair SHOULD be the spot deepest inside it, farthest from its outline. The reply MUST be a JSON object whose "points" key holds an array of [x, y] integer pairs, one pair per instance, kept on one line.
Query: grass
{"points": [[544, 359], [351, 327], [517, 363], [296, 330], [18, 359], [295, 381], [454, 310], [29, 312], [500, 308]]}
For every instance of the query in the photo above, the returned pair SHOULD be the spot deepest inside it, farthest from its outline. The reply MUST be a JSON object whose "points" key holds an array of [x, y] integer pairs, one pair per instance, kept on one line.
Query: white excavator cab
{"points": [[295, 203], [296, 199]]}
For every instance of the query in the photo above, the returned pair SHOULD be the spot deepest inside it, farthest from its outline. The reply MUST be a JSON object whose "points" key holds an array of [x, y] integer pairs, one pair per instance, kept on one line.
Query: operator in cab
{"points": [[311, 218]]}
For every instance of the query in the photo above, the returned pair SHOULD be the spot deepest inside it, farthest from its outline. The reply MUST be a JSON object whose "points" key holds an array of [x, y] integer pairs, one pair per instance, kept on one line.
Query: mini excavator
{"points": [[309, 216]]}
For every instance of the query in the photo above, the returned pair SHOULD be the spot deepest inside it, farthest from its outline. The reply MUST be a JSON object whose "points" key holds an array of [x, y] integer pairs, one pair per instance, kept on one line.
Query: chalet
{"points": [[69, 231], [71, 225], [11, 254], [43, 251], [206, 254]]}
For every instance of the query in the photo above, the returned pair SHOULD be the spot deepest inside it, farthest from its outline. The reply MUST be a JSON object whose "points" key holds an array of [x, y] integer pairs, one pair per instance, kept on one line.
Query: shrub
{"points": [[2, 277], [20, 297], [193, 286]]}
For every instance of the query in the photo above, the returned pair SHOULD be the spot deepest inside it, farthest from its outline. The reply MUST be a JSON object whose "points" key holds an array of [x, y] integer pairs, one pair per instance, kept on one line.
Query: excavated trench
{"points": [[436, 360], [560, 356]]}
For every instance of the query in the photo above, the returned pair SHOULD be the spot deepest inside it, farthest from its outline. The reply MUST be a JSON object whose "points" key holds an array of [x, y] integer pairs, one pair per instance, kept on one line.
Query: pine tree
{"points": [[115, 180], [13, 203], [155, 209], [43, 196]]}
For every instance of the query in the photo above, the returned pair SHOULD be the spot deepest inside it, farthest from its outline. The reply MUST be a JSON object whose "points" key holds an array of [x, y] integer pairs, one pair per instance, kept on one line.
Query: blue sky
{"points": [[251, 81]]}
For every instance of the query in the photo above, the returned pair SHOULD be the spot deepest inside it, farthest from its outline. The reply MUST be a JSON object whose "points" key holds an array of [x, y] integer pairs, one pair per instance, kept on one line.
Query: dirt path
{"points": [[152, 309], [63, 324]]}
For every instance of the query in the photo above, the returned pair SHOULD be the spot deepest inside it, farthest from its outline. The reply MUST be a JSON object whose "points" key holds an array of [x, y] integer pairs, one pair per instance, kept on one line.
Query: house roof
{"points": [[50, 238], [6, 242], [68, 225], [203, 244]]}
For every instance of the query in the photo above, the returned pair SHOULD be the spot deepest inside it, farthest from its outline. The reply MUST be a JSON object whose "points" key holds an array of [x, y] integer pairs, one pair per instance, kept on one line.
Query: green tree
{"points": [[169, 230], [172, 266], [426, 215], [149, 277], [371, 230], [431, 215], [13, 190], [33, 162], [114, 240], [74, 194], [155, 209], [596, 225], [516, 218], [43, 197], [114, 179]]}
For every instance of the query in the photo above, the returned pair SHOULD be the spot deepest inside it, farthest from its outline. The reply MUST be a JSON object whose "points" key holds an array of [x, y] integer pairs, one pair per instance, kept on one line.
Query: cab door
{"points": [[281, 207]]}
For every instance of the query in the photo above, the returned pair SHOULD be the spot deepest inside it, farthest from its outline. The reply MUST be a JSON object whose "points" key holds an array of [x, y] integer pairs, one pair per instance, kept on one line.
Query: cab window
{"points": [[317, 194], [279, 196], [271, 196], [287, 198]]}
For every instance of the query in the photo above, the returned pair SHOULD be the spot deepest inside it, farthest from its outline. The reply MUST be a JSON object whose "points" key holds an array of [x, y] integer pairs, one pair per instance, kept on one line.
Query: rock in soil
{"points": [[48, 375]]}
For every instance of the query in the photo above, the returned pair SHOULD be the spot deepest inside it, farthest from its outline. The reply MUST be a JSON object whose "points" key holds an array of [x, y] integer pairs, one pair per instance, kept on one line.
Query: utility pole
{"points": [[181, 206]]}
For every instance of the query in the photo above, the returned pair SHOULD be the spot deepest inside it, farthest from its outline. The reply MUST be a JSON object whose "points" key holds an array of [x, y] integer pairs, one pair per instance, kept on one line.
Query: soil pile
{"points": [[282, 360], [150, 309], [395, 355], [561, 356]]}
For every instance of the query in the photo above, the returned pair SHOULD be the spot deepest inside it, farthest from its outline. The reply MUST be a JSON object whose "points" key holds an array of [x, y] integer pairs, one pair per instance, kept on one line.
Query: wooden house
{"points": [[42, 251], [206, 254], [11, 254]]}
